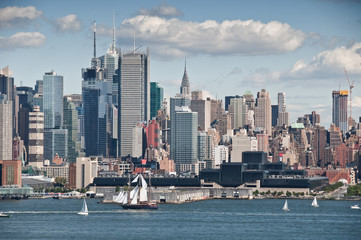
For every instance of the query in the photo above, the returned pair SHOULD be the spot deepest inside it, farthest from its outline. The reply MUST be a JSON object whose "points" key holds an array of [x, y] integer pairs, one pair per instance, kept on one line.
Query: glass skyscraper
{"points": [[133, 96], [156, 98], [53, 100]]}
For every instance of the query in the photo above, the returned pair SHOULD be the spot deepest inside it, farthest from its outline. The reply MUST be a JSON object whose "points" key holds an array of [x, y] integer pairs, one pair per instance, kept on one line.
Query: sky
{"points": [[299, 47]]}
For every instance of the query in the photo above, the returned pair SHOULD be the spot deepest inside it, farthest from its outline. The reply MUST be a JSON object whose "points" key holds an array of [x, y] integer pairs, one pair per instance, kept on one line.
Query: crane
{"points": [[351, 86]]}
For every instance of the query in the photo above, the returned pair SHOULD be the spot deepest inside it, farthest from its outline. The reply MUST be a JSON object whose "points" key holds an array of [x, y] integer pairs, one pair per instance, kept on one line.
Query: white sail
{"points": [[143, 195], [144, 183], [314, 202], [125, 198], [133, 192], [285, 207], [120, 196], [84, 209], [134, 200], [135, 179]]}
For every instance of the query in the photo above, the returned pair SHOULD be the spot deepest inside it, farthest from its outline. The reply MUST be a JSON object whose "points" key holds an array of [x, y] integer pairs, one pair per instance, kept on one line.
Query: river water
{"points": [[209, 219]]}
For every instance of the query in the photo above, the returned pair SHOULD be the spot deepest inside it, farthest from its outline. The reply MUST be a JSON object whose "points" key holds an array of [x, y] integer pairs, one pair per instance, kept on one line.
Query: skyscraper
{"points": [[36, 137], [283, 116], [203, 108], [339, 109], [133, 95], [185, 135], [53, 100], [156, 98], [263, 117], [238, 111], [5, 128], [71, 124]]}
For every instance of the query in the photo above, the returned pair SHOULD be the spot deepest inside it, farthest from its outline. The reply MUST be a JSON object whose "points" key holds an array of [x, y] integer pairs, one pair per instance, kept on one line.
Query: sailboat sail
{"points": [[134, 200], [125, 198], [144, 183], [84, 209], [134, 192], [285, 207], [314, 202], [143, 195], [135, 179], [119, 197]]}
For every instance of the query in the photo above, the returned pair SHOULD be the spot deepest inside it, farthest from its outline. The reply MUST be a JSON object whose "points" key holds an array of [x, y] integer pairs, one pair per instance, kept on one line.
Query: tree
{"points": [[117, 189], [256, 193], [288, 194], [60, 181]]}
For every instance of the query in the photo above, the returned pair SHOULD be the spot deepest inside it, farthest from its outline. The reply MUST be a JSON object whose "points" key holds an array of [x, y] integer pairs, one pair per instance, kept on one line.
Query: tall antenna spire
{"points": [[113, 46], [134, 38], [95, 29], [185, 64]]}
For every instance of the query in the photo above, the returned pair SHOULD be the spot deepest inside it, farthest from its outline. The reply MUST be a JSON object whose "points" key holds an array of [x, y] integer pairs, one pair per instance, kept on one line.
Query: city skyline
{"points": [[230, 48]]}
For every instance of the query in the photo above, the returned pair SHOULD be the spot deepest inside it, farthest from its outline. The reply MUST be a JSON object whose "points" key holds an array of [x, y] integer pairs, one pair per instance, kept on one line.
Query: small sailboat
{"points": [[285, 207], [356, 206], [314, 202], [84, 209]]}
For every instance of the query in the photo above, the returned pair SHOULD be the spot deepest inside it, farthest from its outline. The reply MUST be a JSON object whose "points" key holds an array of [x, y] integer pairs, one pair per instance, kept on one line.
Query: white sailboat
{"points": [[285, 207], [314, 202], [84, 209]]}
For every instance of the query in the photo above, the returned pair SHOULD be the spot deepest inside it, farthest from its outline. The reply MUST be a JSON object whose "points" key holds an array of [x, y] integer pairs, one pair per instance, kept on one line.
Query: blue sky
{"points": [[299, 47]]}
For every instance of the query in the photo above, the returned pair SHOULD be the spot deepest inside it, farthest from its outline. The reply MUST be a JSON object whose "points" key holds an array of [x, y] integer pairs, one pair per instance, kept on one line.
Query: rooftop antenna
{"points": [[134, 38], [185, 64], [95, 29], [113, 33]]}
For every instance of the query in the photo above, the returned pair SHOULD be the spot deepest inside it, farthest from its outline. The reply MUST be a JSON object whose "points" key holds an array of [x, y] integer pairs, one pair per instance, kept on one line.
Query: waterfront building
{"points": [[54, 171], [134, 96], [339, 109], [36, 137], [86, 171], [283, 116], [185, 136], [6, 126], [10, 172], [263, 117], [156, 98]]}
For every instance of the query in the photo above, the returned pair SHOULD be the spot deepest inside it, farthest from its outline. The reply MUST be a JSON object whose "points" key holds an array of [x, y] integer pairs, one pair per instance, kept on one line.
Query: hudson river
{"points": [[210, 219]]}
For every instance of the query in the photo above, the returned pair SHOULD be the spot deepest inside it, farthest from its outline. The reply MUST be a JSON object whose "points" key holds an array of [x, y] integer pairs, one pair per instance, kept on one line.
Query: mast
{"points": [[150, 185], [138, 200], [129, 184], [95, 30], [113, 46]]}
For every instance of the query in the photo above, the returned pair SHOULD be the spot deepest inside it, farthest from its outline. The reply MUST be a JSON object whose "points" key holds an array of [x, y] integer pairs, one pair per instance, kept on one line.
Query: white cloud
{"points": [[356, 102], [173, 37], [161, 11], [323, 67], [69, 23], [329, 62], [22, 39], [14, 16]]}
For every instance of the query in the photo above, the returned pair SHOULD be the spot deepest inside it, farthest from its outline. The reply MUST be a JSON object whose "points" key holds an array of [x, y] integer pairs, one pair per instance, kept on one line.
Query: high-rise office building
{"points": [[36, 137], [55, 143], [240, 143], [283, 116], [238, 111], [185, 134], [6, 127], [71, 124], [227, 101], [274, 110], [339, 109], [203, 108], [134, 96], [248, 96], [156, 98], [263, 117], [53, 100], [7, 87]]}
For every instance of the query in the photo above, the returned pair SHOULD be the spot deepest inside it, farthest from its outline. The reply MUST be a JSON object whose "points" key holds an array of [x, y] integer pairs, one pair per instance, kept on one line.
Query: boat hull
{"points": [[83, 213], [5, 215], [141, 206]]}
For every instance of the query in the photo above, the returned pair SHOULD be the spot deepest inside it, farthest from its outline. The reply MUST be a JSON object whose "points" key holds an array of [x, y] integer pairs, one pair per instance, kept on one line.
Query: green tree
{"points": [[288, 194], [256, 193], [280, 193], [60, 181], [117, 189]]}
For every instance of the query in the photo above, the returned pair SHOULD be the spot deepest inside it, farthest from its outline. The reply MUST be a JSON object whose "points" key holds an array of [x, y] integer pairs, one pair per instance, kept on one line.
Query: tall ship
{"points": [[139, 197]]}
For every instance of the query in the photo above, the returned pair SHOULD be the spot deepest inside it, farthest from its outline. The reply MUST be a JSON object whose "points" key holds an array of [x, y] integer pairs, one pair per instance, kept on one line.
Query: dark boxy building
{"points": [[255, 167]]}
